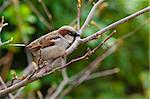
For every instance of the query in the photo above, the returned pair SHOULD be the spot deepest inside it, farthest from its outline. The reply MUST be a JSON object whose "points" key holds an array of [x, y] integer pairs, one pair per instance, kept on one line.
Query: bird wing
{"points": [[42, 42]]}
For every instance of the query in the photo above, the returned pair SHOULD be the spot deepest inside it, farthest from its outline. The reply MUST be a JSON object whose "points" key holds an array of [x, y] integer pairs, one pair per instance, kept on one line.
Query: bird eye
{"points": [[70, 33]]}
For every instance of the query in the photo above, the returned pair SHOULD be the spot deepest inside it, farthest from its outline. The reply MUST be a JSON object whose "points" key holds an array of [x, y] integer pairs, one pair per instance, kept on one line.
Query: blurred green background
{"points": [[132, 82]]}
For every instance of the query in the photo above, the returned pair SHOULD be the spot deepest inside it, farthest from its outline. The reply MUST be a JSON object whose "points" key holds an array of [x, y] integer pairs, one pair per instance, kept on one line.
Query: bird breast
{"points": [[52, 52]]}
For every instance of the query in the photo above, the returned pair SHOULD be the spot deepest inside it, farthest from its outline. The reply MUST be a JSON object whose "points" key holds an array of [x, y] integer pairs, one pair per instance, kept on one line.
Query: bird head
{"points": [[64, 30]]}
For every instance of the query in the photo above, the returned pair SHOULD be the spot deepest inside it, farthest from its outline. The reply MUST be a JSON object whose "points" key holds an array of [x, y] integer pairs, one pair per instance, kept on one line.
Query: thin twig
{"points": [[6, 42], [62, 84], [46, 10], [103, 73], [83, 75], [73, 22], [2, 24], [78, 14], [6, 63], [64, 71], [19, 92], [3, 83], [136, 29], [90, 16], [17, 45], [5, 5], [40, 96], [42, 19], [59, 89], [91, 76]]}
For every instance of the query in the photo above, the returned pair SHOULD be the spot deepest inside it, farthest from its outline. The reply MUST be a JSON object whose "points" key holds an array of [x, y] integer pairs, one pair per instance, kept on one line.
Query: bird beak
{"points": [[77, 34]]}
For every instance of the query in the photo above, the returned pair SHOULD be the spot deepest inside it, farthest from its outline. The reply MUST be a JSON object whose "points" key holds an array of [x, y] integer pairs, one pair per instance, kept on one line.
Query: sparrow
{"points": [[51, 47]]}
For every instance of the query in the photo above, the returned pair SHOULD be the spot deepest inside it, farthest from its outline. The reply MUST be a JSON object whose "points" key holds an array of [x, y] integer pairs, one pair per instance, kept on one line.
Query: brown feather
{"points": [[64, 32], [46, 40]]}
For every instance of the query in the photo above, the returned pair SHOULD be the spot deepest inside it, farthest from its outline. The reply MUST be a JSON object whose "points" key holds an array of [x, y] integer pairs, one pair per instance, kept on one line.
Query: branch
{"points": [[90, 16], [100, 32], [39, 94], [17, 45], [42, 19], [6, 42], [2, 24], [5, 5], [78, 13], [92, 76], [90, 52], [46, 10], [103, 73], [3, 83], [19, 92], [85, 73], [59, 89]]}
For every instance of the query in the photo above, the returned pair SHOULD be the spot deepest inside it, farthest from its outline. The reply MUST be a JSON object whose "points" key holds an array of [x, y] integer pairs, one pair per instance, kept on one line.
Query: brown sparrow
{"points": [[51, 47]]}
